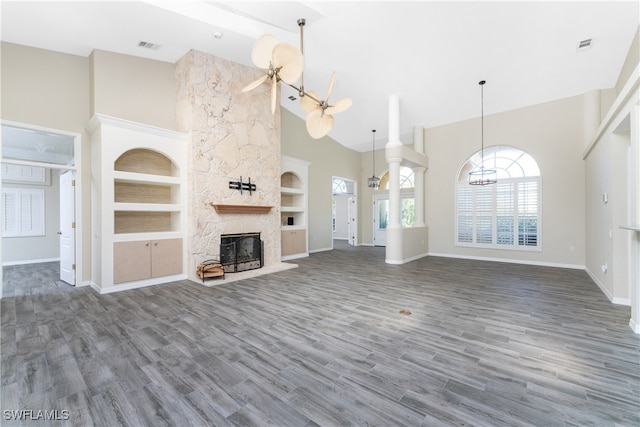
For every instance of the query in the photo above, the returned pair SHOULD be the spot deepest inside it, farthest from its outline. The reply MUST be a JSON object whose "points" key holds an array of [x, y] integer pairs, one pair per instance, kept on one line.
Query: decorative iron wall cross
{"points": [[239, 185]]}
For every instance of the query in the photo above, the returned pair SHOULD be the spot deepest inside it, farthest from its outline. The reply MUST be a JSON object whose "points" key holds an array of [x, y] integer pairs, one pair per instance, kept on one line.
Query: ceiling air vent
{"points": [[148, 45], [585, 44]]}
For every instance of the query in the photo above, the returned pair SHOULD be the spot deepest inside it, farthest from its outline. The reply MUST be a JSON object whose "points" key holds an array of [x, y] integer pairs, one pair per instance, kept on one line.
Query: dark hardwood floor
{"points": [[486, 344]]}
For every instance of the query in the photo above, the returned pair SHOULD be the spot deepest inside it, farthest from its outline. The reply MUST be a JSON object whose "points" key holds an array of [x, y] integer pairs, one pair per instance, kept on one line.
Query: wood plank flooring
{"points": [[486, 344]]}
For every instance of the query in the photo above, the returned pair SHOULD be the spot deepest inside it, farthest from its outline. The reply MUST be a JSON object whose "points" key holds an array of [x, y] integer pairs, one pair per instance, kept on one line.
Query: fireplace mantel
{"points": [[244, 209]]}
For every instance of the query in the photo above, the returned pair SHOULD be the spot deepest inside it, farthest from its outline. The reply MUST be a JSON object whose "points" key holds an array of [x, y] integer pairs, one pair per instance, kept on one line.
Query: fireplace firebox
{"points": [[241, 252]]}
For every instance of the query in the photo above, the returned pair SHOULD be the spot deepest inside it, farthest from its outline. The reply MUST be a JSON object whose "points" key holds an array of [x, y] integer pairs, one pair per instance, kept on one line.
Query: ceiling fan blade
{"points": [[262, 50], [339, 106], [274, 97], [290, 59], [318, 124], [331, 82], [307, 103], [255, 84]]}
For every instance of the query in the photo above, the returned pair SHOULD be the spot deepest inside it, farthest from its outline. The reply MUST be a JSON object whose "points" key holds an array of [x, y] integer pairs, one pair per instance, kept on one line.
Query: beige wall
{"points": [[131, 88], [45, 88], [51, 89], [552, 134], [611, 169], [328, 159], [61, 92]]}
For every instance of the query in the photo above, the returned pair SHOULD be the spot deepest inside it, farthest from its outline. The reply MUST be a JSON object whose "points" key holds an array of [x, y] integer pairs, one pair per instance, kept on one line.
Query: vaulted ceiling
{"points": [[430, 54]]}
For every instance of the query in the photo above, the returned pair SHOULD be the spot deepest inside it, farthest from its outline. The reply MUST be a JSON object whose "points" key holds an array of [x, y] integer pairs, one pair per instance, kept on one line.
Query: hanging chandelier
{"points": [[284, 62], [374, 181], [481, 175]]}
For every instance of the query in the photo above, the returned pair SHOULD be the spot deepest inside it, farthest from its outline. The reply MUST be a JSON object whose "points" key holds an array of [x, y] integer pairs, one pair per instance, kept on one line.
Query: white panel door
{"points": [[380, 219], [67, 228], [352, 224]]}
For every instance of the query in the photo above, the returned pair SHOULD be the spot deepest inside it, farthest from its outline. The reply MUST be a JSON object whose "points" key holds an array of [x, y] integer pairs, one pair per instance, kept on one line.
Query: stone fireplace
{"points": [[234, 136]]}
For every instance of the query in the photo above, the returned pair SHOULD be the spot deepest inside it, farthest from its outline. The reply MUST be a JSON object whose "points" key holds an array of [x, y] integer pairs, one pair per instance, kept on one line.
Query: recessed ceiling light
{"points": [[218, 34]]}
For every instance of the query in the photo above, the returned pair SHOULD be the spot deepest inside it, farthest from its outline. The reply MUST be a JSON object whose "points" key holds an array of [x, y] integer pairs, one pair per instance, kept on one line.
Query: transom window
{"points": [[505, 215]]}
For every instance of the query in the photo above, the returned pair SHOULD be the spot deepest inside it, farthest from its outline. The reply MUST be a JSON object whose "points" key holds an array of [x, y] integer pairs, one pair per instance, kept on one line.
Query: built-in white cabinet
{"points": [[138, 204], [294, 208]]}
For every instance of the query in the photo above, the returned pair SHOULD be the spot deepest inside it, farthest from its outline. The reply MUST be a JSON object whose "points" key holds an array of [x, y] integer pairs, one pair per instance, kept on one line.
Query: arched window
{"points": [[505, 215], [407, 200], [406, 178]]}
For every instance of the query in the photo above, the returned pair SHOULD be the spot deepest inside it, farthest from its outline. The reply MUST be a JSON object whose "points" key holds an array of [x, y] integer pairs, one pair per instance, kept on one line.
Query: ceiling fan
{"points": [[319, 112], [281, 60], [285, 62]]}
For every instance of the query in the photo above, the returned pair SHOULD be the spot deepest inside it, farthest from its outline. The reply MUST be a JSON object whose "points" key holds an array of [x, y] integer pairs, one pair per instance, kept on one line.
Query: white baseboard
{"points": [[606, 292], [634, 326], [405, 260], [603, 288], [30, 261], [320, 250], [137, 284], [294, 256], [512, 261]]}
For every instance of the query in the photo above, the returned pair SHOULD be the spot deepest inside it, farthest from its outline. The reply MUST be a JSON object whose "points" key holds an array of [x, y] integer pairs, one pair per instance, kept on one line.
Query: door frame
{"points": [[77, 167], [376, 200], [353, 195]]}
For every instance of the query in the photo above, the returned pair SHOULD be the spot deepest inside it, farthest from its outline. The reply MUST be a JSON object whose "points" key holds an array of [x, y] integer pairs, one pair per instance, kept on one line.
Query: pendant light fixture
{"points": [[480, 175], [374, 181]]}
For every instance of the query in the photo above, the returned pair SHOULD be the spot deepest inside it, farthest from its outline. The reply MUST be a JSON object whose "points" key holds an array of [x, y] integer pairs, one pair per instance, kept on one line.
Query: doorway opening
{"points": [[344, 210], [41, 198]]}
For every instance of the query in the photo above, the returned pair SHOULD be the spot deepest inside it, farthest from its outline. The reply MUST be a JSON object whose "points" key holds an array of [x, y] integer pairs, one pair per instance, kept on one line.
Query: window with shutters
{"points": [[22, 212], [505, 215]]}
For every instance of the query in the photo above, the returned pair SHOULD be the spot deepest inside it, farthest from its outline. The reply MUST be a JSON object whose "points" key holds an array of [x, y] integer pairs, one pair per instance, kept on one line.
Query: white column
{"points": [[394, 228], [418, 178], [394, 122]]}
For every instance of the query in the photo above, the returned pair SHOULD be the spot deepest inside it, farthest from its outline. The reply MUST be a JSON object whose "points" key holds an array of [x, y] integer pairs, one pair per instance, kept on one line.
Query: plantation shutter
{"points": [[465, 214], [484, 215], [505, 210], [10, 213], [23, 212], [528, 213]]}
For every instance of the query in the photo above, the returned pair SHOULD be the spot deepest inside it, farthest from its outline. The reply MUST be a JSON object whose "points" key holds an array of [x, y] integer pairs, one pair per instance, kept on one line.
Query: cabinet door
{"points": [[300, 241], [131, 261], [293, 242], [166, 257]]}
